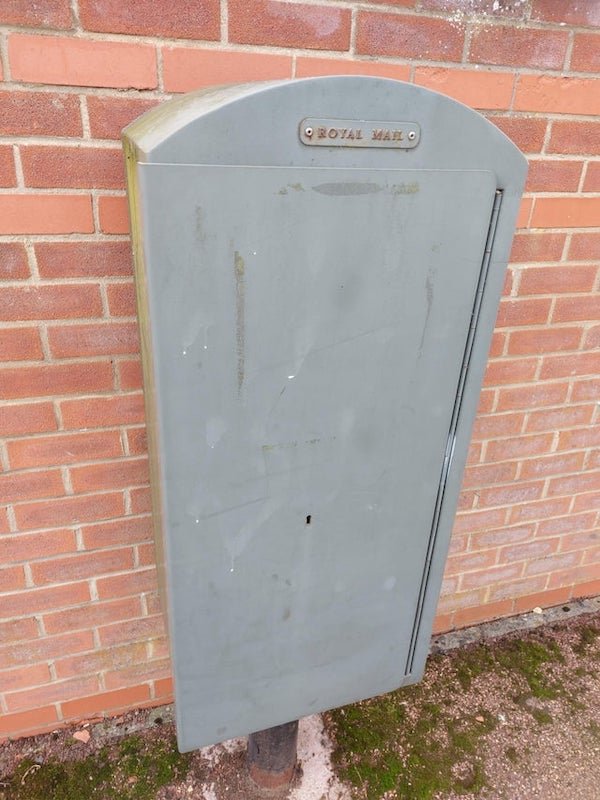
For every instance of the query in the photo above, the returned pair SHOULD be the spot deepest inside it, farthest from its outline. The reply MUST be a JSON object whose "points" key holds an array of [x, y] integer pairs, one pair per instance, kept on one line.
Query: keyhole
{"points": [[308, 519]]}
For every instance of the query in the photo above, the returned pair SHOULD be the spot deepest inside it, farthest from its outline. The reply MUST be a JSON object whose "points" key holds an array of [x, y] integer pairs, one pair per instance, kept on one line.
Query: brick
{"points": [[289, 25], [588, 589], [18, 486], [4, 526], [50, 302], [106, 701], [147, 554], [41, 14], [528, 247], [92, 614], [23, 677], [585, 390], [106, 338], [585, 56], [581, 437], [101, 412], [489, 8], [113, 475], [517, 588], [125, 585], [585, 246], [83, 259], [519, 47], [490, 611], [18, 630], [81, 62], [405, 36], [121, 299], [141, 501], [34, 720], [524, 213], [131, 530], [28, 547], [592, 177], [559, 418], [20, 344], [73, 167], [39, 114], [479, 520], [45, 213], [8, 176], [558, 280], [569, 365], [540, 510], [543, 340], [137, 441], [494, 425], [552, 563], [526, 132], [592, 338], [114, 217], [185, 69], [64, 448], [501, 537], [13, 262], [575, 484], [109, 115], [130, 375], [488, 475], [308, 67], [514, 313], [552, 465], [553, 176], [458, 600], [69, 510], [542, 599], [467, 562], [575, 137], [132, 630], [576, 575], [51, 693], [566, 212], [55, 379], [570, 12], [572, 309], [139, 672], [580, 531], [524, 397], [557, 95], [183, 20], [46, 648], [529, 550], [82, 565], [491, 576], [498, 342], [504, 449], [477, 89], [34, 601], [486, 401], [515, 371], [519, 492], [11, 578], [100, 660]]}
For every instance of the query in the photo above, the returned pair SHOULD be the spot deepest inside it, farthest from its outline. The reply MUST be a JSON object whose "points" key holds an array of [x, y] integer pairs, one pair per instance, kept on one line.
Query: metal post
{"points": [[272, 755]]}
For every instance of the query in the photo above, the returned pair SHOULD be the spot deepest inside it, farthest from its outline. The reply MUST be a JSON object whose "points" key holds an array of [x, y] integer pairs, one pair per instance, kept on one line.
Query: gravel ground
{"points": [[539, 735]]}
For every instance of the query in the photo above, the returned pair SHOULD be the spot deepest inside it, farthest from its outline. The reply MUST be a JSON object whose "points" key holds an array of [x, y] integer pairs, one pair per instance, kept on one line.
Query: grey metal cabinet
{"points": [[318, 268]]}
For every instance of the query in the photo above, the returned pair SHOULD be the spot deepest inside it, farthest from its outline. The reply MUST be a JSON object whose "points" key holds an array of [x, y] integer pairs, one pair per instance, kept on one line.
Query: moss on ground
{"points": [[133, 769], [381, 748]]}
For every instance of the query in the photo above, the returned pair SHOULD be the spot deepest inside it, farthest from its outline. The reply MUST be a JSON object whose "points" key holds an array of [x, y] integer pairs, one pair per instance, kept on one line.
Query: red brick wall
{"points": [[80, 632]]}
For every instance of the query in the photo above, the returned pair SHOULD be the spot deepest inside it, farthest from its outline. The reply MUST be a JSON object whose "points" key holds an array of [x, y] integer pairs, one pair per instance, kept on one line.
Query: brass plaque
{"points": [[359, 133]]}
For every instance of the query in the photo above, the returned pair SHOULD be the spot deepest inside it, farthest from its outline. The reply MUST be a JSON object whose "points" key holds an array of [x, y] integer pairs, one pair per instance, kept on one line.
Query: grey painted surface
{"points": [[306, 320]]}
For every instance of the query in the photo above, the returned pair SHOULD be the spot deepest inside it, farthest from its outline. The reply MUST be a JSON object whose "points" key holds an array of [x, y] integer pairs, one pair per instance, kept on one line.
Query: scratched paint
{"points": [[345, 188], [239, 268]]}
